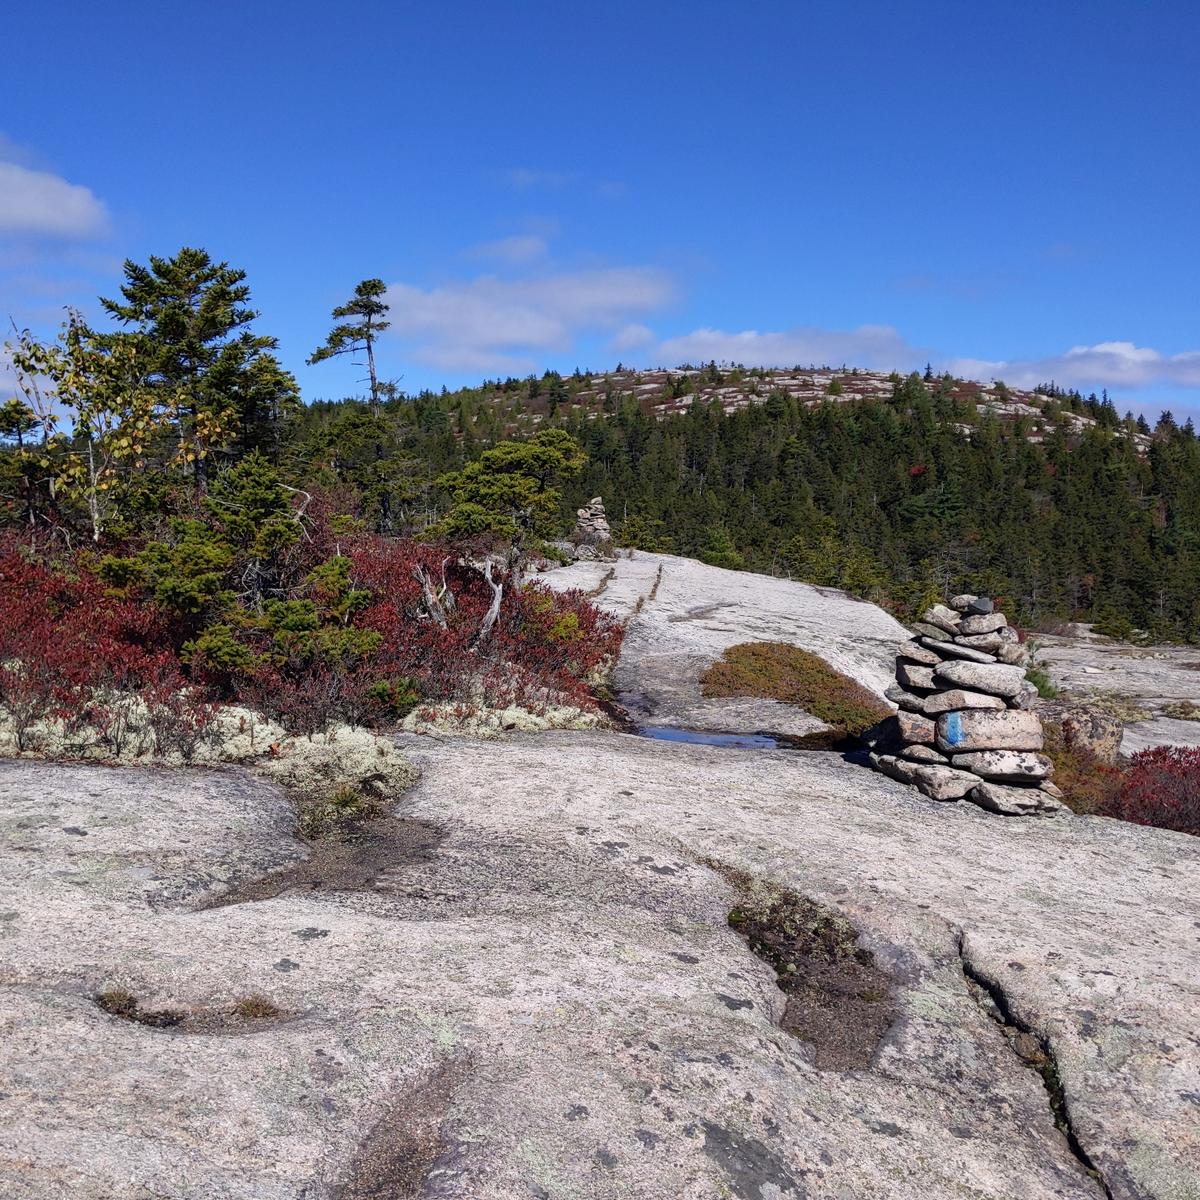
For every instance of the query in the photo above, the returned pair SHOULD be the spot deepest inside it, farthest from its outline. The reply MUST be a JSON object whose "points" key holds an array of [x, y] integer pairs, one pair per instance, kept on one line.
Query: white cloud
{"points": [[632, 337], [488, 323], [516, 250], [1106, 364], [39, 203], [874, 346]]}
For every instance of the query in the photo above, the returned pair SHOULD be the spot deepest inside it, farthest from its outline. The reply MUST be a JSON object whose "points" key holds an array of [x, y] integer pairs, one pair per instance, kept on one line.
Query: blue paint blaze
{"points": [[953, 729]]}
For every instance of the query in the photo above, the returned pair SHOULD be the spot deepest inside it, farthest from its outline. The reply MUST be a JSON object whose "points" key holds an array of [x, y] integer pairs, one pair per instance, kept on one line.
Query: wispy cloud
{"points": [[532, 179], [877, 346], [1122, 366], [634, 336], [42, 204], [1106, 364], [517, 250], [488, 323]]}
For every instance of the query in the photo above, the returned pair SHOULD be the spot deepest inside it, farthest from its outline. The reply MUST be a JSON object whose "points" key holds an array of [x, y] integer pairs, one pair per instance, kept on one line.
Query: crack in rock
{"points": [[1033, 1050]]}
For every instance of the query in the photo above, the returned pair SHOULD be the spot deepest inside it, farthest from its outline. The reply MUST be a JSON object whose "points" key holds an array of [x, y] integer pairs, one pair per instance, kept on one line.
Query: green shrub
{"points": [[780, 671]]}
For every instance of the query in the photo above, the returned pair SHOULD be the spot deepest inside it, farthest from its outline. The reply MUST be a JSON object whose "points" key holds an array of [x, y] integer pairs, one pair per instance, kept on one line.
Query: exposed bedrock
{"points": [[548, 999]]}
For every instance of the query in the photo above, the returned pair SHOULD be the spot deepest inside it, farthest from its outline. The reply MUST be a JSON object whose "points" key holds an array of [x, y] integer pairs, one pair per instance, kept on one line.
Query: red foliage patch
{"points": [[1162, 788], [70, 652]]}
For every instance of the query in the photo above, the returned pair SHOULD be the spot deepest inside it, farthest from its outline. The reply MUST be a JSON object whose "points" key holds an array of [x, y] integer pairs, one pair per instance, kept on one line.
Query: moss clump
{"points": [[256, 1007], [839, 999], [121, 1002], [326, 817], [780, 671]]}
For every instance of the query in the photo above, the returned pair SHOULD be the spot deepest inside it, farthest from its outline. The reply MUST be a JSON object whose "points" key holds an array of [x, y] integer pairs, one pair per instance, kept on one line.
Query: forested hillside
{"points": [[921, 491], [900, 489]]}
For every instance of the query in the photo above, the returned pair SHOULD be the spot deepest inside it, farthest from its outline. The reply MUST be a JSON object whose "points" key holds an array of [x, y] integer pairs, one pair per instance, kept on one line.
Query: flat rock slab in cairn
{"points": [[993, 678], [955, 649], [941, 702], [1005, 765], [981, 624], [915, 652], [979, 729]]}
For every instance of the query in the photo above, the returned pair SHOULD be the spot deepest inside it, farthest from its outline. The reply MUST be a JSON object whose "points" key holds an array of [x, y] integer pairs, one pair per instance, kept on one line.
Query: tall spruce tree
{"points": [[366, 308], [188, 320]]}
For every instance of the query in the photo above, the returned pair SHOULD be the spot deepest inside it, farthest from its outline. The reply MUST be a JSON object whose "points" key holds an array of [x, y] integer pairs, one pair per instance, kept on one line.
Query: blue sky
{"points": [[1010, 191]]}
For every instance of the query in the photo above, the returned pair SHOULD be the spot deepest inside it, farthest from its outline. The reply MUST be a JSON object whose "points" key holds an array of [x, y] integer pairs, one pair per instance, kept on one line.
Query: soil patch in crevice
{"points": [[839, 999], [1033, 1050], [348, 858], [400, 1150], [247, 1015]]}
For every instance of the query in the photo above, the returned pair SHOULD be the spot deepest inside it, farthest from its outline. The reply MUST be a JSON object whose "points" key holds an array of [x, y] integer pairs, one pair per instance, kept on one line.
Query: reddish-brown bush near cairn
{"points": [[1162, 788]]}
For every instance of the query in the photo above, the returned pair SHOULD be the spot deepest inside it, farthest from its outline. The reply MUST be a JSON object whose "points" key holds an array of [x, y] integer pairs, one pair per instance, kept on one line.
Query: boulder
{"points": [[935, 781], [932, 632], [1006, 633], [1015, 766], [1011, 801], [981, 606], [896, 768], [915, 652], [941, 617], [944, 783], [966, 730], [955, 649], [941, 702], [912, 676], [983, 623], [1026, 698], [962, 603], [906, 700], [1083, 727], [923, 754], [913, 727], [1013, 653], [994, 678]]}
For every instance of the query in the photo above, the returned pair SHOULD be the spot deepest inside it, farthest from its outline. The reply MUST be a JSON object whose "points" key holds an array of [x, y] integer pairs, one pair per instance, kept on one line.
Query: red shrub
{"points": [[364, 650], [70, 652], [1162, 788]]}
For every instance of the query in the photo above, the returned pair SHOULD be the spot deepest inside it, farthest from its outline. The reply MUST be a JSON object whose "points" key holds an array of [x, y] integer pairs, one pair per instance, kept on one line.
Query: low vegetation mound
{"points": [[1158, 787], [780, 671]]}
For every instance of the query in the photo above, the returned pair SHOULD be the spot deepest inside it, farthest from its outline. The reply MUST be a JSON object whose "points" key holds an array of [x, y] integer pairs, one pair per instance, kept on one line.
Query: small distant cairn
{"points": [[593, 537], [966, 728]]}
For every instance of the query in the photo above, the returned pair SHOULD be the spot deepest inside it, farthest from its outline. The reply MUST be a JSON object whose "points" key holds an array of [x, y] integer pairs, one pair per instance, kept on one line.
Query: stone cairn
{"points": [[593, 538], [966, 728]]}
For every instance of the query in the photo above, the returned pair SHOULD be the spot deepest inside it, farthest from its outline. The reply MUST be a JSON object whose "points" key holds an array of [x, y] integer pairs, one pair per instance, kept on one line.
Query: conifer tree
{"points": [[367, 309], [188, 320]]}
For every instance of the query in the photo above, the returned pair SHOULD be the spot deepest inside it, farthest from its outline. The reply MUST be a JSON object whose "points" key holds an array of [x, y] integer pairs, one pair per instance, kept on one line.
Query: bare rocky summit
{"points": [[524, 984]]}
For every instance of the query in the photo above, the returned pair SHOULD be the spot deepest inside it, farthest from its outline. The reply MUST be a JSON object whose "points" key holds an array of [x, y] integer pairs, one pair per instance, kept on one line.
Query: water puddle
{"points": [[826, 739]]}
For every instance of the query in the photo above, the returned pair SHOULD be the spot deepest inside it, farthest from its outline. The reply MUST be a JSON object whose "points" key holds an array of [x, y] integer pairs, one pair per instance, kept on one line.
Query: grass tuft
{"points": [[257, 1007]]}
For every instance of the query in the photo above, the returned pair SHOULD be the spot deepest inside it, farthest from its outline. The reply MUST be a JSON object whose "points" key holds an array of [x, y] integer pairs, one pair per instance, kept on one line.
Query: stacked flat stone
{"points": [[966, 728], [593, 537]]}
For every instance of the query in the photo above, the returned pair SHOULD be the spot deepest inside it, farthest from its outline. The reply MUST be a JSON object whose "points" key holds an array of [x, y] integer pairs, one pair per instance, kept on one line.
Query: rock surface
{"points": [[683, 615], [551, 1003], [1085, 666]]}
